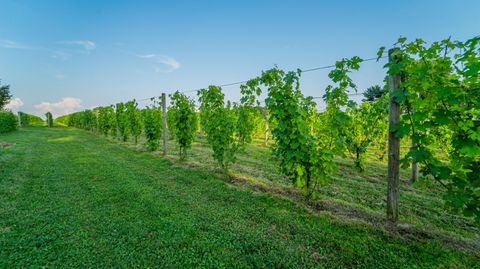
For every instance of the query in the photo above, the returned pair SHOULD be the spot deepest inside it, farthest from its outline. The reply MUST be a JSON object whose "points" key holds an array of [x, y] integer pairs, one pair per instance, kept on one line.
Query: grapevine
{"points": [[440, 92], [134, 124], [121, 121], [184, 121], [218, 122], [152, 125]]}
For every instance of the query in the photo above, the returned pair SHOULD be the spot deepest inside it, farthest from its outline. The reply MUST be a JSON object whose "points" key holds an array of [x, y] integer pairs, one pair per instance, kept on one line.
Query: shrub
{"points": [[8, 122], [49, 119]]}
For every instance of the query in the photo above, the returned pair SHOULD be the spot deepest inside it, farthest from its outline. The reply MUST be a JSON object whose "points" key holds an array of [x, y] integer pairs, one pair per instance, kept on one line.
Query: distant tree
{"points": [[373, 93], [5, 96], [49, 119]]}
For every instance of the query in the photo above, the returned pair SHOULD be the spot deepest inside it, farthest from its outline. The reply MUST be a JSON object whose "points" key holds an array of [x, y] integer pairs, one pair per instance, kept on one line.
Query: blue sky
{"points": [[67, 56]]}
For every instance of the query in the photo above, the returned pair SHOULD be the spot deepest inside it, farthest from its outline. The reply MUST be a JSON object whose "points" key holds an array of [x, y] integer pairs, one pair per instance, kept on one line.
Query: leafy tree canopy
{"points": [[5, 96], [373, 93]]}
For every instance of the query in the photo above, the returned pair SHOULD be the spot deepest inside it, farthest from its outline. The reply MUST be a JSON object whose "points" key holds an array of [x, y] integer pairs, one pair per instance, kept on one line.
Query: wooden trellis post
{"points": [[96, 119], [393, 177], [266, 127], [164, 123], [414, 167]]}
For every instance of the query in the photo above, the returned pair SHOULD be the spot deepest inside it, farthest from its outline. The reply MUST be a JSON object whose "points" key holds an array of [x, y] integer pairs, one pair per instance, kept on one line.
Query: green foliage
{"points": [[258, 119], [121, 121], [64, 120], [184, 121], [373, 93], [218, 122], [84, 119], [106, 120], [134, 120], [8, 122], [49, 117], [440, 93], [112, 121], [30, 120], [89, 119], [24, 119], [346, 126], [369, 123], [301, 160], [5, 96], [152, 125], [335, 121], [247, 112], [77, 120], [245, 124], [171, 124], [228, 128]]}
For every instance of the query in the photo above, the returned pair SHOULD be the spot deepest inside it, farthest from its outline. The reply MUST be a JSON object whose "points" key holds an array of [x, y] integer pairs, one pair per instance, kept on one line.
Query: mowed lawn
{"points": [[69, 198]]}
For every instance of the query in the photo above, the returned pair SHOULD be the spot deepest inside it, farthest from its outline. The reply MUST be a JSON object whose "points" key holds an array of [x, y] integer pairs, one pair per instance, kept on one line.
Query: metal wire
{"points": [[303, 71]]}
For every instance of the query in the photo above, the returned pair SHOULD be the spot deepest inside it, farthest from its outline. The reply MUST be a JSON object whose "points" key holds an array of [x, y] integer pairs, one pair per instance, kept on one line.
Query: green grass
{"points": [[364, 192], [72, 199]]}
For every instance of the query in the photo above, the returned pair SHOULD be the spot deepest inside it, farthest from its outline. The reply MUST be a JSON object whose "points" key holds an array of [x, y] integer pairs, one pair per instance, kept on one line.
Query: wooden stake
{"points": [[266, 127], [393, 177], [96, 119], [19, 118], [164, 123], [414, 167]]}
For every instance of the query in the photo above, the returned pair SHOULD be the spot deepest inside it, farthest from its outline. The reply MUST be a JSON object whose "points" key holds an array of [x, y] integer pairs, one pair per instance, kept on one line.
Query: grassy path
{"points": [[72, 199]]}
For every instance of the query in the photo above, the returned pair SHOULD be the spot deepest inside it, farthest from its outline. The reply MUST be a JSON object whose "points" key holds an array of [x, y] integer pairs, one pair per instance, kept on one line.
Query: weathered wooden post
{"points": [[266, 127], [393, 177], [414, 166], [19, 118], [164, 123], [96, 120]]}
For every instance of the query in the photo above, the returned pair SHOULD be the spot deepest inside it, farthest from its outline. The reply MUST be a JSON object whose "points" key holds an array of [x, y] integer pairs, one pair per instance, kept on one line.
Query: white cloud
{"points": [[86, 44], [14, 104], [66, 106], [147, 56], [60, 54], [168, 64], [9, 44]]}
